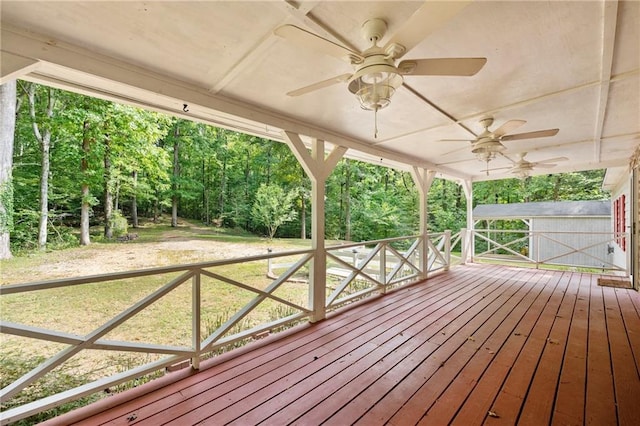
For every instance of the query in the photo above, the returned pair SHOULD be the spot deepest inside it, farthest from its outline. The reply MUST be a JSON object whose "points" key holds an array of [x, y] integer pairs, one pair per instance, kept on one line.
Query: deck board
{"points": [[532, 347], [538, 406], [600, 404], [625, 367], [570, 397]]}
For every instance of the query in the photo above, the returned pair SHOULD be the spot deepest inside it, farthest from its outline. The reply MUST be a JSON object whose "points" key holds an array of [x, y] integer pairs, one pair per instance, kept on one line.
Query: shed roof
{"points": [[543, 209]]}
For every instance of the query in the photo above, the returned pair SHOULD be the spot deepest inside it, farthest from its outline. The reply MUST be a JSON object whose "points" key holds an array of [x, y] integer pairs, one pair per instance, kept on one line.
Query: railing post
{"points": [[195, 318], [463, 246], [537, 239], [424, 256], [472, 245], [382, 273], [447, 249]]}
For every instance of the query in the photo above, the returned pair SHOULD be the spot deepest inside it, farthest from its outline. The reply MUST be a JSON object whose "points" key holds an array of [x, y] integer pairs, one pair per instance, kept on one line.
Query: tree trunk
{"points": [[134, 200], [303, 217], [85, 240], [44, 137], [174, 184], [116, 200], [44, 193], [108, 195], [247, 174], [347, 201], [156, 207], [223, 186], [7, 132]]}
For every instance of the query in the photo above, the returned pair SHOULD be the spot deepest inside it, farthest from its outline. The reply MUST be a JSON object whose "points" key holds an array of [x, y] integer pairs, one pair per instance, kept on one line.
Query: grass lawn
{"points": [[82, 308]]}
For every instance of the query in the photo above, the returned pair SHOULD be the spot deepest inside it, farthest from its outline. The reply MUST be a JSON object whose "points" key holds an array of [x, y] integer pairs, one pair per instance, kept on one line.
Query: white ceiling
{"points": [[571, 65]]}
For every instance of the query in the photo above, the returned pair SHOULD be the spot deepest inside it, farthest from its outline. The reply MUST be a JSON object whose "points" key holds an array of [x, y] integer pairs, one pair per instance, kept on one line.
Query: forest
{"points": [[85, 170]]}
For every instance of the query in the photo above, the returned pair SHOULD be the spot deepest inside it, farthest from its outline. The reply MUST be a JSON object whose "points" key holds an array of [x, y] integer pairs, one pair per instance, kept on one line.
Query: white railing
{"points": [[202, 278], [589, 250], [353, 272]]}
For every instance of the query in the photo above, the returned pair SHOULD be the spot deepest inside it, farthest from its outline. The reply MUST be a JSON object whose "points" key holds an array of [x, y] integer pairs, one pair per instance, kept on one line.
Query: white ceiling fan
{"points": [[377, 72], [522, 168], [489, 143]]}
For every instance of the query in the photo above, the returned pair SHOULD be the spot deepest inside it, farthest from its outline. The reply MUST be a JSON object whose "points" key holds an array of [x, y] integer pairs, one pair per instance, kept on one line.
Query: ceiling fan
{"points": [[377, 73], [522, 168], [489, 143]]}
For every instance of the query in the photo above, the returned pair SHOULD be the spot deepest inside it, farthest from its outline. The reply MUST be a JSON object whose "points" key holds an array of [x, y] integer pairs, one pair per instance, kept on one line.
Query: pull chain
{"points": [[375, 120]]}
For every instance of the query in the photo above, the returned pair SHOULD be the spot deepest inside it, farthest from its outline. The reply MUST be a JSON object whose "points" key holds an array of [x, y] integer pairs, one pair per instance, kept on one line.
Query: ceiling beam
{"points": [[253, 56], [76, 66], [609, 23], [302, 12], [15, 66]]}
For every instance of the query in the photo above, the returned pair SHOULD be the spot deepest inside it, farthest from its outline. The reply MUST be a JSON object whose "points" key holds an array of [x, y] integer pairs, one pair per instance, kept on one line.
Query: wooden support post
{"points": [[318, 168], [464, 246], [196, 323], [423, 179], [447, 249], [382, 274], [470, 244]]}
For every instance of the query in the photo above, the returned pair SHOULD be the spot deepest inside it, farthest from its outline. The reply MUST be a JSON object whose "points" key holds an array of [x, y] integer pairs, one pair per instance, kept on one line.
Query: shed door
{"points": [[635, 225]]}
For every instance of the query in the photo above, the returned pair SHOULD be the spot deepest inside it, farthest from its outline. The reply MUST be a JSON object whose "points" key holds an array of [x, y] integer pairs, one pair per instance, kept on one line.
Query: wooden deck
{"points": [[479, 344]]}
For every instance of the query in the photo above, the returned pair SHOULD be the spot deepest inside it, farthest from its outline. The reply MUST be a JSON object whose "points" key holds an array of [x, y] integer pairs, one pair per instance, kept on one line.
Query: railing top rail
{"points": [[66, 282], [386, 240], [527, 231]]}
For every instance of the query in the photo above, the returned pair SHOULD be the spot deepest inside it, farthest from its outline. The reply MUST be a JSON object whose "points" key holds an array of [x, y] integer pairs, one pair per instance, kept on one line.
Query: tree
{"points": [[42, 125], [272, 208], [7, 131]]}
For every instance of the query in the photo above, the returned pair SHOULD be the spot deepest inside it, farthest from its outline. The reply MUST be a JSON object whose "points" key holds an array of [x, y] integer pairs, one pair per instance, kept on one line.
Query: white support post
{"points": [[383, 268], [470, 244], [464, 246], [196, 323], [447, 249], [423, 179], [318, 168]]}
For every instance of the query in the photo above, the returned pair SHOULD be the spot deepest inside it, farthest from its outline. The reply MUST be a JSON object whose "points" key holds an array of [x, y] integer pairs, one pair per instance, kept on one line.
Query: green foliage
{"points": [[14, 365], [272, 207], [119, 224], [219, 174], [6, 206], [574, 186], [24, 235]]}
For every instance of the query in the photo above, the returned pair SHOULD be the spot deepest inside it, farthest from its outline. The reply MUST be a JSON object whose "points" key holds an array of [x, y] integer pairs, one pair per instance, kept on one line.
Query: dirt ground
{"points": [[173, 247]]}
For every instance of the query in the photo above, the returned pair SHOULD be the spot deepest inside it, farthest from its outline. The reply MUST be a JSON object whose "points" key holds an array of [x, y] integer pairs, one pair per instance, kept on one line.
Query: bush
{"points": [[119, 224]]}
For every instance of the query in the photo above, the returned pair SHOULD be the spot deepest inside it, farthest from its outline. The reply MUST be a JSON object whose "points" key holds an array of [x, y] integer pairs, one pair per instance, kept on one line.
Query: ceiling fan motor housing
{"points": [[374, 29]]}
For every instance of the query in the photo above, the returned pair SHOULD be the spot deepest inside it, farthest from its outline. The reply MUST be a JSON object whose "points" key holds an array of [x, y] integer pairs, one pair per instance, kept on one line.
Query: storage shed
{"points": [[581, 229]]}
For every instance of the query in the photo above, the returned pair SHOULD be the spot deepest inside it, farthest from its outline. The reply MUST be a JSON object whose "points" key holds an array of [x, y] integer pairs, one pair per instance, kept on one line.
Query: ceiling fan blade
{"points": [[442, 66], [428, 18], [553, 160], [454, 140], [549, 163], [306, 39], [497, 168], [531, 135], [508, 127], [320, 85]]}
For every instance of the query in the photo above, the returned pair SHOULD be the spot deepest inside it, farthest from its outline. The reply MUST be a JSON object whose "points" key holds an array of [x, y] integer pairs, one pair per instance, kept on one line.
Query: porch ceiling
{"points": [[568, 65]]}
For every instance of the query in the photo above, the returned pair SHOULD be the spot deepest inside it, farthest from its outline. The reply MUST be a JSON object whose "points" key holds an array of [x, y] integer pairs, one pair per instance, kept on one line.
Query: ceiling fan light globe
{"points": [[491, 146], [375, 97], [484, 155], [384, 74]]}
